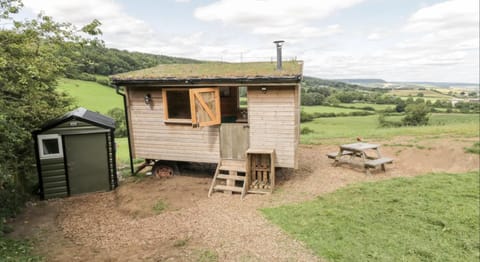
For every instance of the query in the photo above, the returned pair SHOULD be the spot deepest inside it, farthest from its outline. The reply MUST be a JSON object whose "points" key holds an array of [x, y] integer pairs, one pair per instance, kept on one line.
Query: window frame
{"points": [[166, 117], [41, 138], [193, 94]]}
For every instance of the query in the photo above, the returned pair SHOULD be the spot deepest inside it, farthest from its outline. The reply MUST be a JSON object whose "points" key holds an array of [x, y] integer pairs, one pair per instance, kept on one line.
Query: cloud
{"points": [[439, 42], [446, 33], [443, 16], [373, 36], [281, 18], [117, 25]]}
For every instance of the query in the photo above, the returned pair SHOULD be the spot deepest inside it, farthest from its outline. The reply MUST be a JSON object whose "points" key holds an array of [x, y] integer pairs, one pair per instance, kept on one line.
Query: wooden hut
{"points": [[195, 112], [75, 154]]}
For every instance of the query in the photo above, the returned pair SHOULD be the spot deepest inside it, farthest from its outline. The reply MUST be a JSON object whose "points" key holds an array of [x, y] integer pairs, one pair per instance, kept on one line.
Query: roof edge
{"points": [[239, 80]]}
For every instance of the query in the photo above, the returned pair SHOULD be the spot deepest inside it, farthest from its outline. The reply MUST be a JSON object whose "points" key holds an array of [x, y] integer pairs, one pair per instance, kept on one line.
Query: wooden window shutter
{"points": [[205, 106]]}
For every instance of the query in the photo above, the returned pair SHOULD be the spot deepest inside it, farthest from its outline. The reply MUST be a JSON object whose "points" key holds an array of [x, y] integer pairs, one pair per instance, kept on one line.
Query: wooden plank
{"points": [[233, 168], [230, 177], [378, 161], [278, 127]]}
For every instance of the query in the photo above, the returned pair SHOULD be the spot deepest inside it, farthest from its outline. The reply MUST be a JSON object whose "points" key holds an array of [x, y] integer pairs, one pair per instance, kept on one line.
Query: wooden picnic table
{"points": [[359, 151]]}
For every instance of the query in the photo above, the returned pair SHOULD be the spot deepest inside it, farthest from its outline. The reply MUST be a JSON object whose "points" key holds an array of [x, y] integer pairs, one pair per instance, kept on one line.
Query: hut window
{"points": [[50, 146], [177, 105], [195, 106]]}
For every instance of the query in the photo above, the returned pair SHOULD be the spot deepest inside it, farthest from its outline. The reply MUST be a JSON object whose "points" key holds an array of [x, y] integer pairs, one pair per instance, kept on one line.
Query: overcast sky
{"points": [[396, 40]]}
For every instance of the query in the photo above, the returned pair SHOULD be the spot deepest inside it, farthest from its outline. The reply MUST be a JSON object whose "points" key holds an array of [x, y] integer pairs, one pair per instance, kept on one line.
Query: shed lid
{"points": [[80, 114]]}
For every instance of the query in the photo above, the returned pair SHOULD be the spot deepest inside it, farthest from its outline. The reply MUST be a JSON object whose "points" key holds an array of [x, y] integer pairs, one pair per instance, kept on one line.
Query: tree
{"points": [[119, 116], [416, 115], [400, 107], [33, 55]]}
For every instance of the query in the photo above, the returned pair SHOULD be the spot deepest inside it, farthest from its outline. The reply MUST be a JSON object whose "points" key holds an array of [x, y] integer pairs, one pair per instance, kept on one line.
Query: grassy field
{"points": [[414, 93], [427, 218], [326, 130], [91, 95], [327, 109]]}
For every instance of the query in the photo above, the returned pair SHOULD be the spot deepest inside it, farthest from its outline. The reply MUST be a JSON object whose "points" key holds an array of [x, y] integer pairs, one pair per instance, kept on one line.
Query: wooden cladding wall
{"points": [[274, 124], [155, 139]]}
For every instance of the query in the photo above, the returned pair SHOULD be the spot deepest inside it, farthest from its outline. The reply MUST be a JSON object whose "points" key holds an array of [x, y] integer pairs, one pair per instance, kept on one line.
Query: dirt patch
{"points": [[126, 225]]}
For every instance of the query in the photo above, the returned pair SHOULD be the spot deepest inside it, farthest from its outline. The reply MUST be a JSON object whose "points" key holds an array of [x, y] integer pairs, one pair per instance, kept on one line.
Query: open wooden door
{"points": [[205, 106]]}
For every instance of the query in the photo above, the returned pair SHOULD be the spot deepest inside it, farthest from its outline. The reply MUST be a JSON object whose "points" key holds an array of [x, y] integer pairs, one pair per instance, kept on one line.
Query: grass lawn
{"points": [[326, 130], [91, 95], [122, 150], [328, 109], [433, 217]]}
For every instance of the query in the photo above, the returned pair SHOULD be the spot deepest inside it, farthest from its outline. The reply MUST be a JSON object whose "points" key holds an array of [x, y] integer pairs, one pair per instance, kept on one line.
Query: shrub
{"points": [[104, 82], [306, 130], [120, 127], [416, 115], [86, 77], [383, 122], [306, 117]]}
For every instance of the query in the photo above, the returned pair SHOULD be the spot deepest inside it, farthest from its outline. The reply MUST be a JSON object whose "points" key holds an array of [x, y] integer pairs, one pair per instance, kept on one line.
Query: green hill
{"points": [[91, 95], [88, 61]]}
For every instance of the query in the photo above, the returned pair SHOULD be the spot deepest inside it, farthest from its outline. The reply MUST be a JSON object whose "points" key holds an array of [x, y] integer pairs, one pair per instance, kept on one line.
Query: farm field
{"points": [[377, 107], [332, 130], [414, 93], [91, 95], [328, 109]]}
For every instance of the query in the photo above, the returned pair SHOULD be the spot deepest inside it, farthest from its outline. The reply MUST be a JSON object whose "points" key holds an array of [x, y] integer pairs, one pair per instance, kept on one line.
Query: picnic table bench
{"points": [[349, 152]]}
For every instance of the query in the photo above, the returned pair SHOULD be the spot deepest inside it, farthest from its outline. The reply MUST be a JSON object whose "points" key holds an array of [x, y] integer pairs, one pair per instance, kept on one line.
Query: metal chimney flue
{"points": [[279, 44]]}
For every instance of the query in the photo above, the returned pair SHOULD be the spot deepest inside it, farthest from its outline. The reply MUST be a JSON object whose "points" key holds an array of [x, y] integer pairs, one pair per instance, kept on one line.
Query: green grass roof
{"points": [[214, 70]]}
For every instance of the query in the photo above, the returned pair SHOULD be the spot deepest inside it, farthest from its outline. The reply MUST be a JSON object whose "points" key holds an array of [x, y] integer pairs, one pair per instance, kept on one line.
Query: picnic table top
{"points": [[359, 146]]}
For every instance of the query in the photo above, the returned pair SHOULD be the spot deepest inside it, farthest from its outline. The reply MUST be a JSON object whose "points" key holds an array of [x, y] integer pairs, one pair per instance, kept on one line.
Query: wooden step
{"points": [[238, 178], [228, 188], [233, 168]]}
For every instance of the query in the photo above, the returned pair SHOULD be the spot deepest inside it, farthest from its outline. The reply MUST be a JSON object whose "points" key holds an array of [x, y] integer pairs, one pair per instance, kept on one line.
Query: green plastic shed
{"points": [[75, 154]]}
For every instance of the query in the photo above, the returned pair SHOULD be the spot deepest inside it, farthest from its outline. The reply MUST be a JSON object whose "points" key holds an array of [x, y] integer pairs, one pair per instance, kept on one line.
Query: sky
{"points": [[395, 40]]}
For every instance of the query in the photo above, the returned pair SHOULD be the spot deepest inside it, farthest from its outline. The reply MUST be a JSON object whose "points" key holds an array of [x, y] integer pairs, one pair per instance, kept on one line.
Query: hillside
{"points": [[309, 81], [91, 95], [97, 60], [361, 81]]}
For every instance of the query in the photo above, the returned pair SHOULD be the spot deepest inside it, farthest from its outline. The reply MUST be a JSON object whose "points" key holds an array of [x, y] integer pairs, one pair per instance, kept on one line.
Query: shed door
{"points": [[87, 163], [233, 141]]}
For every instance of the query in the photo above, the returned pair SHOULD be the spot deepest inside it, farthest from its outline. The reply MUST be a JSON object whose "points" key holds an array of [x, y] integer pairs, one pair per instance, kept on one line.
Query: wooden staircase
{"points": [[227, 174]]}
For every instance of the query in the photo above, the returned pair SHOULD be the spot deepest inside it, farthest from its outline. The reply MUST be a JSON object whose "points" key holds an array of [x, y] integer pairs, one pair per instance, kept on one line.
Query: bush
{"points": [[306, 117], [383, 122], [86, 77], [104, 82], [120, 127], [306, 130], [416, 115]]}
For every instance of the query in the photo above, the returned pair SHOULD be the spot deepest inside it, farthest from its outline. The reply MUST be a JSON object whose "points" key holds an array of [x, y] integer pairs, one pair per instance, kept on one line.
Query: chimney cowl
{"points": [[279, 44]]}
